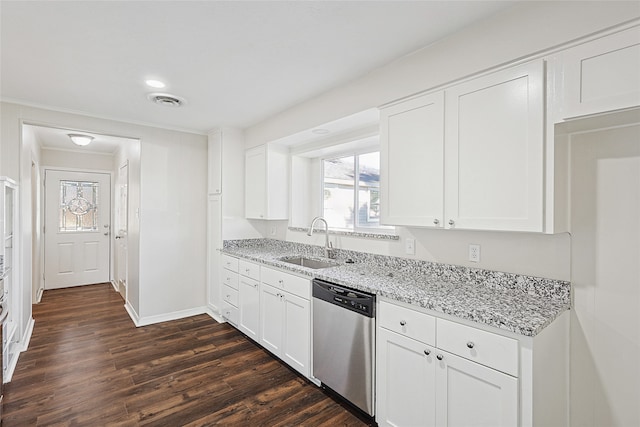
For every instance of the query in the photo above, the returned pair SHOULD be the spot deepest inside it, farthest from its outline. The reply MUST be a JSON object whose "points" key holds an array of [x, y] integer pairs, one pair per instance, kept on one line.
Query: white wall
{"points": [[605, 323], [130, 152], [30, 243], [171, 271], [520, 31], [76, 160], [173, 221]]}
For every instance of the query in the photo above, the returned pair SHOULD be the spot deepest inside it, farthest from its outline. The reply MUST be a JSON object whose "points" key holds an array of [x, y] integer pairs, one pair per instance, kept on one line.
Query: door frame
{"points": [[43, 171], [115, 208]]}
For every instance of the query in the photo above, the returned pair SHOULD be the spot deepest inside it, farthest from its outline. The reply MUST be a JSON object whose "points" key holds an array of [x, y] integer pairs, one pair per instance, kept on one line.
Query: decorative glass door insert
{"points": [[78, 206]]}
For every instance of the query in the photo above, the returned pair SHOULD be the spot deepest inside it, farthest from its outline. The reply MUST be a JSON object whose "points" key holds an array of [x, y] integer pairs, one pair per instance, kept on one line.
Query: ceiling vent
{"points": [[166, 99]]}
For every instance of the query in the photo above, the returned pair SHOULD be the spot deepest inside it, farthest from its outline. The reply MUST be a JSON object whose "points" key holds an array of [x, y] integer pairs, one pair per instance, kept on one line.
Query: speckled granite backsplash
{"points": [[557, 290]]}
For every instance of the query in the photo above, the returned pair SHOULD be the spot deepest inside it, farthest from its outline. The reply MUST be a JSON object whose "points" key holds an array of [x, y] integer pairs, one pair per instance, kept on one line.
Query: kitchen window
{"points": [[351, 192]]}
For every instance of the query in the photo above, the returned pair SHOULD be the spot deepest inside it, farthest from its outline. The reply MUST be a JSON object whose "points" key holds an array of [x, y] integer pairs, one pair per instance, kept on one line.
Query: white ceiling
{"points": [[58, 139], [236, 62]]}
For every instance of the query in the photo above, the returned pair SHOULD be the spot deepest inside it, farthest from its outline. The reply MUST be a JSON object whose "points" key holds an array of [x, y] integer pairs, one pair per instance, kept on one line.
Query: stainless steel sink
{"points": [[309, 262]]}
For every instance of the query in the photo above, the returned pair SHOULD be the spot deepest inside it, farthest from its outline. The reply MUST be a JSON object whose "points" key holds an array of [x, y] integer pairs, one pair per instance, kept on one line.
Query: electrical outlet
{"points": [[410, 246], [474, 253]]}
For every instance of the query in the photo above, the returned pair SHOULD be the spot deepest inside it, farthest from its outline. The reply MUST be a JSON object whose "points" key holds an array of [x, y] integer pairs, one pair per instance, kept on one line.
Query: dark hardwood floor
{"points": [[87, 364]]}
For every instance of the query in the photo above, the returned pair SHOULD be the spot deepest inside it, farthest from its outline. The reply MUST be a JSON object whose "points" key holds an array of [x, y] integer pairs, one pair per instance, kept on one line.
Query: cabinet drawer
{"points": [[230, 295], [486, 348], [407, 322], [249, 269], [230, 263], [230, 313], [293, 284], [230, 278]]}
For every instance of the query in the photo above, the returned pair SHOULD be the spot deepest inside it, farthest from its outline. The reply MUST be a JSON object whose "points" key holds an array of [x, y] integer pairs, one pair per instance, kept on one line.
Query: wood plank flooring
{"points": [[87, 364]]}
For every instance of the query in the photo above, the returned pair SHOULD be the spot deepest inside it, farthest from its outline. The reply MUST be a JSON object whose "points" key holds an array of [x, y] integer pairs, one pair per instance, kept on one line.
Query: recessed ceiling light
{"points": [[320, 131], [80, 140], [155, 84]]}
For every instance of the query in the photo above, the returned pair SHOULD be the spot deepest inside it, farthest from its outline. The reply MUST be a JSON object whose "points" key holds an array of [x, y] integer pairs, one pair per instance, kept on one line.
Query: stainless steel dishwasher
{"points": [[344, 342]]}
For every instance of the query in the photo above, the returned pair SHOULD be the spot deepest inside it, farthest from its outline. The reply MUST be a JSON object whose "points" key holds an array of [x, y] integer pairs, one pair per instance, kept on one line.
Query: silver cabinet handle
{"points": [[439, 357], [402, 323], [451, 222], [470, 344], [436, 221], [427, 352], [247, 270], [281, 281], [255, 285], [106, 234]]}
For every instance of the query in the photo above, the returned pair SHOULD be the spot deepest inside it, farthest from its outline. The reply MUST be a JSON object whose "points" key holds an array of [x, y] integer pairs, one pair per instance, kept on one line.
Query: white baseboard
{"points": [[26, 337], [114, 284], [215, 315], [132, 314], [165, 317], [39, 295]]}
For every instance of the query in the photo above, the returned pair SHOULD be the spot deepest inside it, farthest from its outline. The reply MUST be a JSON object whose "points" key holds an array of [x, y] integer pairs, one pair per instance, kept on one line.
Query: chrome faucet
{"points": [[327, 244]]}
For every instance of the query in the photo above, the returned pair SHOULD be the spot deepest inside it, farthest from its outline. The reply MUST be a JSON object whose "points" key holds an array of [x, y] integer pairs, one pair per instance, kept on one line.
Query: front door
{"points": [[77, 228]]}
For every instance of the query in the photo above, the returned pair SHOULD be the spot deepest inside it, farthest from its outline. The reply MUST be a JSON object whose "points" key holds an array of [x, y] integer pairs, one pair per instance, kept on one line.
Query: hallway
{"points": [[87, 364]]}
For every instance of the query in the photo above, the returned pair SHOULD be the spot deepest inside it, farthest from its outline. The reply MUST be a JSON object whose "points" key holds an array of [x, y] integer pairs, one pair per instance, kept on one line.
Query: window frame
{"points": [[380, 229]]}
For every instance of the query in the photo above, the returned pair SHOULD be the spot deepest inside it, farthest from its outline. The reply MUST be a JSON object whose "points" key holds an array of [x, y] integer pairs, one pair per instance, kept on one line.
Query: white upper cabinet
{"points": [[266, 183], [470, 157], [215, 162], [494, 151], [411, 167], [602, 75]]}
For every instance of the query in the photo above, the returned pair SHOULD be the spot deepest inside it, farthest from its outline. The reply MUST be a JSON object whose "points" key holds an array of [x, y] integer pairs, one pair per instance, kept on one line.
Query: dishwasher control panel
{"points": [[349, 299]]}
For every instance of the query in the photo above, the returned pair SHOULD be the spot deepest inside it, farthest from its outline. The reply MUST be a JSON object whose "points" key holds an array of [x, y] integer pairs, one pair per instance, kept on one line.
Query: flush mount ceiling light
{"points": [[320, 131], [166, 99], [157, 84], [80, 139]]}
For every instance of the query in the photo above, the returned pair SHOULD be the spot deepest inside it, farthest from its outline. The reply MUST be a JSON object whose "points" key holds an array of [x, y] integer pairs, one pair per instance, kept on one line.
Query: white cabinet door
{"points": [[469, 394], [214, 244], [405, 376], [494, 151], [266, 183], [603, 75], [296, 345], [255, 199], [249, 307], [271, 318], [215, 162], [412, 165]]}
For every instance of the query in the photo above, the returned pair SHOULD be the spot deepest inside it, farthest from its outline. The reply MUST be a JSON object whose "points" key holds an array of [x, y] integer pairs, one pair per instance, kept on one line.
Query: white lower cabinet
{"points": [[271, 318], [421, 385], [406, 394], [271, 307], [229, 291], [470, 394], [249, 307], [296, 342], [285, 325]]}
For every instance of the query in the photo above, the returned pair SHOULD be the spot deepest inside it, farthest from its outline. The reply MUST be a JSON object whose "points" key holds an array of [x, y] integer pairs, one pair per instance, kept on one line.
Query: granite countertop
{"points": [[521, 304]]}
